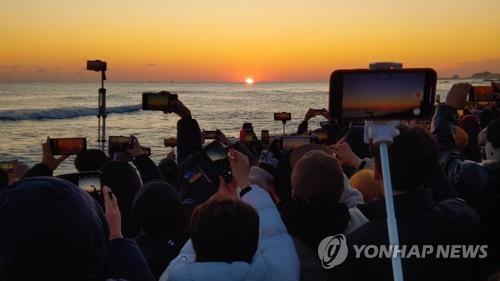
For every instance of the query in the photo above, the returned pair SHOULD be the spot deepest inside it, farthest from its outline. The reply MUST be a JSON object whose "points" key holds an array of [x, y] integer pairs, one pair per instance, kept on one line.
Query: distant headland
{"points": [[486, 75]]}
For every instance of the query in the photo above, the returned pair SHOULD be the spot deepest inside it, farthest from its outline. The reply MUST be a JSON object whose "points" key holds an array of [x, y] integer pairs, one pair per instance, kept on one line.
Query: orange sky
{"points": [[228, 40]]}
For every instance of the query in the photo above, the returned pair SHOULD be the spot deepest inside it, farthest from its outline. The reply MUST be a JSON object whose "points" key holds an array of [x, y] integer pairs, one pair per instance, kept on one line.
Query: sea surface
{"points": [[31, 111]]}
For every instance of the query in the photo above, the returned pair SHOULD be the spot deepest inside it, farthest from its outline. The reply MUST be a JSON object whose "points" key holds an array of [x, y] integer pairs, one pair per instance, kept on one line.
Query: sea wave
{"points": [[60, 113]]}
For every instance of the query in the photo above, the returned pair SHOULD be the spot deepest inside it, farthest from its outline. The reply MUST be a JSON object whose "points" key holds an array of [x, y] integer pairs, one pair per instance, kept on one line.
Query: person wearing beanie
{"points": [[51, 229], [158, 213], [476, 182], [316, 211]]}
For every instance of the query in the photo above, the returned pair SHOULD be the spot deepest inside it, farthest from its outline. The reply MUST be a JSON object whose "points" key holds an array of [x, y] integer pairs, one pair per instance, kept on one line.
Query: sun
{"points": [[249, 81]]}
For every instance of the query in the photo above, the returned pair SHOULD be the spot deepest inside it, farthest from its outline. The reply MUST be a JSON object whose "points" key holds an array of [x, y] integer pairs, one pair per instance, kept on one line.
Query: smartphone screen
{"points": [[217, 154], [482, 93], [292, 142], [119, 142], [282, 116], [210, 135], [68, 146], [170, 142], [155, 101], [391, 94], [6, 165], [90, 182]]}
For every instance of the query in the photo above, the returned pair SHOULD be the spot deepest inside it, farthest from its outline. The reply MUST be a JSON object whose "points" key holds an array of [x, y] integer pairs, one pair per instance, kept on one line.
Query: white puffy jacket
{"points": [[275, 259]]}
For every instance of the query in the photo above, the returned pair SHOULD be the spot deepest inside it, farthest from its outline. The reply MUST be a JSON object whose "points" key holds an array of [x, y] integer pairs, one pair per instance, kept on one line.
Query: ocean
{"points": [[31, 111]]}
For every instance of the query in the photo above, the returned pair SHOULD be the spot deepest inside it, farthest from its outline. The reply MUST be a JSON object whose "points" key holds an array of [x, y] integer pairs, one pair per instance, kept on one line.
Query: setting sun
{"points": [[249, 80]]}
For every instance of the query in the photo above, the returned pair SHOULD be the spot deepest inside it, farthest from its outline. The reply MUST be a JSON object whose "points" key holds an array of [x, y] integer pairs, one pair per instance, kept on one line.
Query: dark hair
{"points": [[486, 117], [412, 158], [224, 230], [90, 160], [493, 133], [170, 172], [124, 181], [4, 179], [157, 209]]}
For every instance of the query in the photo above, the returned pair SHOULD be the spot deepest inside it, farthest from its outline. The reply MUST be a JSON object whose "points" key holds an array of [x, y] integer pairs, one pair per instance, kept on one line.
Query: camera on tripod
{"points": [[96, 65]]}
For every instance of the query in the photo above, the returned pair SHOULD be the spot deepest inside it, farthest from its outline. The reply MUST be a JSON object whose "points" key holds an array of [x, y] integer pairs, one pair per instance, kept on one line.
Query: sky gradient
{"points": [[229, 40]]}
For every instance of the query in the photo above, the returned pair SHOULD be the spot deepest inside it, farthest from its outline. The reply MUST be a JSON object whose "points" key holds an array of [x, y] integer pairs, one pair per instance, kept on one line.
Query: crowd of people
{"points": [[268, 221]]}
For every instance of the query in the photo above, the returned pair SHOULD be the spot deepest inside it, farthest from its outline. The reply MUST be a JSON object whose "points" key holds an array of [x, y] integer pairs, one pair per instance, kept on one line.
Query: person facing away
{"points": [[421, 221], [124, 181], [317, 210], [236, 235], [51, 229], [157, 211], [478, 183]]}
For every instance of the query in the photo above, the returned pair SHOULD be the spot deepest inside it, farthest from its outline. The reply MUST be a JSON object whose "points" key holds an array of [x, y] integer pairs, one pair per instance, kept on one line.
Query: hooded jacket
{"points": [[52, 230], [275, 258]]}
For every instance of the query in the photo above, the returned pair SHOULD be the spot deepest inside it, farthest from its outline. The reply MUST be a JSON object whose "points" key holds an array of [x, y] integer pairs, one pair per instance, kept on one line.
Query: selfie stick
{"points": [[101, 127], [382, 134]]}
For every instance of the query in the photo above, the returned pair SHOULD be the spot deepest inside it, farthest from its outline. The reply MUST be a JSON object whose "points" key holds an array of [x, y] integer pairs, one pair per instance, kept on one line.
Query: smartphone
{"points": [[68, 146], [482, 93], [157, 101], [318, 112], [120, 155], [120, 143], [322, 135], [264, 137], [292, 142], [170, 142], [6, 166], [282, 116], [89, 182], [218, 156], [396, 94], [210, 135]]}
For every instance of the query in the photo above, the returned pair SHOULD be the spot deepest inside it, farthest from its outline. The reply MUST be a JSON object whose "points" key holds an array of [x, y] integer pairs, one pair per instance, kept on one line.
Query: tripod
{"points": [[101, 114]]}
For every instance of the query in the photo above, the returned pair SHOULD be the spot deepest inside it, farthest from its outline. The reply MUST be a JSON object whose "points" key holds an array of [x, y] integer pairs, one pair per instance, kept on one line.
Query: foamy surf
{"points": [[60, 113]]}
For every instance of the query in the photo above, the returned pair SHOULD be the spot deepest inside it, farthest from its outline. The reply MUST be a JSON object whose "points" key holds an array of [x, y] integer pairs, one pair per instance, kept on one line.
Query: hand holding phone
{"points": [[162, 101], [48, 158]]}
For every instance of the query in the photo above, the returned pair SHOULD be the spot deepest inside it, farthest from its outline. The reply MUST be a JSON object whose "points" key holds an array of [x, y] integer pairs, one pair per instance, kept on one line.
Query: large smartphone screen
{"points": [[383, 95]]}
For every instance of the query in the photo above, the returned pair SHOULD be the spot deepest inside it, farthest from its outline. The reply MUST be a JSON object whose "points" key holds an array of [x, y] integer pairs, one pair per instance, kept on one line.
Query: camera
{"points": [[67, 146], [282, 116], [158, 101], [209, 163], [96, 65], [170, 142]]}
